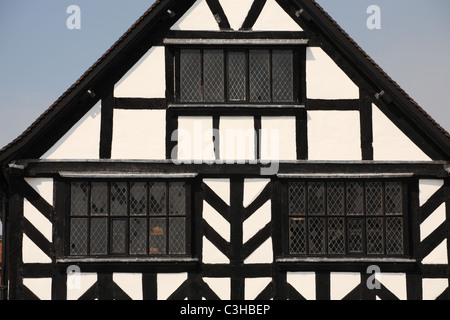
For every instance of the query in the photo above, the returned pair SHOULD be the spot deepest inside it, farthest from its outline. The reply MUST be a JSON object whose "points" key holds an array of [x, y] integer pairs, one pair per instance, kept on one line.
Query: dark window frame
{"points": [[174, 74], [405, 192], [128, 217]]}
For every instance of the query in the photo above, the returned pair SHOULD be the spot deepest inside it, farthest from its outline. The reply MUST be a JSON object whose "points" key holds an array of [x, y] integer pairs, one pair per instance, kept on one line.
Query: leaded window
{"points": [[336, 218], [128, 218], [236, 76]]}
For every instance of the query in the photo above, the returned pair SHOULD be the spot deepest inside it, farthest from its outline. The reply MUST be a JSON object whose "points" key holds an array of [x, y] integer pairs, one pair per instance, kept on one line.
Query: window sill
{"points": [[318, 260], [162, 260]]}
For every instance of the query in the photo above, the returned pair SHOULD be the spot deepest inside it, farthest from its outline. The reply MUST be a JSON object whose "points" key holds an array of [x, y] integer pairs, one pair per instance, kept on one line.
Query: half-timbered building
{"points": [[226, 149]]}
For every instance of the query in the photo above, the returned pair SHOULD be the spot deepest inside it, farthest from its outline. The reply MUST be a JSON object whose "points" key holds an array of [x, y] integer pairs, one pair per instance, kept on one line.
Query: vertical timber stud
{"points": [[15, 231], [365, 112], [302, 115], [447, 208], [414, 278], [106, 131], [236, 217]]}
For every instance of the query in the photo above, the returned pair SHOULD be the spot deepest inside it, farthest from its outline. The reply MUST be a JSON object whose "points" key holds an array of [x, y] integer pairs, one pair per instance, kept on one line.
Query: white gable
{"points": [[390, 143], [236, 11], [324, 78], [147, 78], [82, 141], [198, 17], [274, 18]]}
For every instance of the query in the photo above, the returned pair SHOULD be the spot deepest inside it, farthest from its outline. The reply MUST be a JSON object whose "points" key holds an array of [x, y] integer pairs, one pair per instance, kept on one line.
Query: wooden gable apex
{"points": [[168, 16]]}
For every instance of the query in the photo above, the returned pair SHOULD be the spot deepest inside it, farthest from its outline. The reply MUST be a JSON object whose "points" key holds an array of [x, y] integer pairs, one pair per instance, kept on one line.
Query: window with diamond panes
{"points": [[236, 76], [338, 218], [128, 218]]}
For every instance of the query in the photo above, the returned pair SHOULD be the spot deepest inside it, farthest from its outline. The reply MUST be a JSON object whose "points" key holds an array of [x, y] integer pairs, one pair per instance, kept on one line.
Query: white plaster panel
{"points": [[216, 221], [274, 18], [130, 283], [146, 79], [278, 138], [263, 254], [304, 283], [168, 283], [334, 135], [237, 139], [79, 283], [211, 254], [82, 141], [324, 78], [41, 287], [198, 17], [428, 187], [43, 186], [220, 286], [139, 134], [236, 11], [396, 283], [37, 219], [31, 253], [257, 221], [195, 139], [390, 143], [438, 256], [437, 218], [342, 283], [433, 288], [252, 189], [221, 187], [254, 286]]}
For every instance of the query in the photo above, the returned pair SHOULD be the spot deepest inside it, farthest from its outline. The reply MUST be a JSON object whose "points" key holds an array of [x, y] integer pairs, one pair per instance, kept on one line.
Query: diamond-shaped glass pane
{"points": [[336, 236], [157, 201], [297, 235], [259, 76], [99, 233], [190, 76], [393, 198], [316, 198], [374, 230], [138, 198], [237, 76], [78, 236], [177, 198], [157, 236], [177, 235], [283, 75], [79, 199], [99, 198], [374, 195], [355, 199], [214, 82], [138, 236], [335, 198], [355, 235], [297, 194], [394, 236], [316, 232], [118, 236], [119, 198]]}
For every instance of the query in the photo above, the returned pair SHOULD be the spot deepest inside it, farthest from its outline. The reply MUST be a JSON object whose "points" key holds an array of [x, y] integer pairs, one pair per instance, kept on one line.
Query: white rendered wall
{"points": [[237, 139], [82, 141], [334, 135], [278, 138], [198, 17], [41, 287], [139, 134], [274, 18], [390, 143], [146, 79], [324, 78], [195, 139]]}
